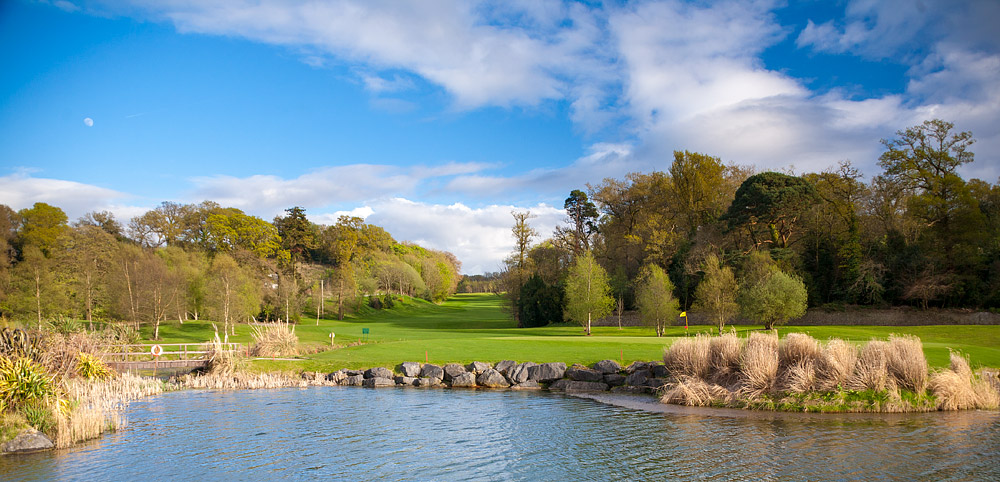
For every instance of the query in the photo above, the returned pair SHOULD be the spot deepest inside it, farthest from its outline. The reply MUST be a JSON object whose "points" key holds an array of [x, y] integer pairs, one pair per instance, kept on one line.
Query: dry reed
{"points": [[798, 349], [870, 371], [275, 340], [906, 362], [759, 364], [725, 359], [694, 392], [100, 405], [240, 381], [953, 387], [836, 365], [689, 357]]}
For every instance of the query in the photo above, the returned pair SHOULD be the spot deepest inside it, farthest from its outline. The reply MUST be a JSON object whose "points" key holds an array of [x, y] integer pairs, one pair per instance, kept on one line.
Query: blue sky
{"points": [[436, 118]]}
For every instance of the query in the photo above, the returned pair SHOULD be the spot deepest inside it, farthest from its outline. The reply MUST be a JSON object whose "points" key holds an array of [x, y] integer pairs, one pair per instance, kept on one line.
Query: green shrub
{"points": [[91, 367], [18, 343], [23, 381]]}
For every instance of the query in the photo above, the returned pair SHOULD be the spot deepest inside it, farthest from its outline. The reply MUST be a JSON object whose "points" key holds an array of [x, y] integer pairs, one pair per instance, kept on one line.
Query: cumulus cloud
{"points": [[480, 237], [323, 187], [21, 190]]}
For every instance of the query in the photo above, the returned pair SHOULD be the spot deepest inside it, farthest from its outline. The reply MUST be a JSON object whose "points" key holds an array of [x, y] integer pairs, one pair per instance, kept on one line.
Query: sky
{"points": [[436, 118]]}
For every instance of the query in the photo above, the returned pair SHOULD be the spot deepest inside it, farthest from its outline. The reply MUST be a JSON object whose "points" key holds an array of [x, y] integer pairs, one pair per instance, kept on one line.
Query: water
{"points": [[342, 433]]}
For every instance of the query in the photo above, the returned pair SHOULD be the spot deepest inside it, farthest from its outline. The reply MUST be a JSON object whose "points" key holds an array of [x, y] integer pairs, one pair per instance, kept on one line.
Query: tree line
{"points": [[725, 240], [194, 261]]}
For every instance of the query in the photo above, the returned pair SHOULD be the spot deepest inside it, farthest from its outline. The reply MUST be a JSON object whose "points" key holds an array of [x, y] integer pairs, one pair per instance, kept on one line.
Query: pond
{"points": [[344, 433]]}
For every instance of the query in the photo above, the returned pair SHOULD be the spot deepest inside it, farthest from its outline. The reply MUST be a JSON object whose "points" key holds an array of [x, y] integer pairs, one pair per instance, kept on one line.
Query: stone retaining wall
{"points": [[605, 375]]}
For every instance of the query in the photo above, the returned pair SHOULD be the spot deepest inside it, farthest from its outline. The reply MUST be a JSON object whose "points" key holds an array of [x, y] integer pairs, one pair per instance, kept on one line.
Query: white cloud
{"points": [[323, 187], [21, 190], [479, 237]]}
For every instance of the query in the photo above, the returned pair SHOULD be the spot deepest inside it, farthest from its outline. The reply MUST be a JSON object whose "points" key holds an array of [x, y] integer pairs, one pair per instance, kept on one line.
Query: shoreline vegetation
{"points": [[56, 385], [759, 372]]}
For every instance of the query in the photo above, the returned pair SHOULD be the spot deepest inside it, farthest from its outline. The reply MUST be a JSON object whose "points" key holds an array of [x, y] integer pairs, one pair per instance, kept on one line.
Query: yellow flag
{"points": [[684, 314]]}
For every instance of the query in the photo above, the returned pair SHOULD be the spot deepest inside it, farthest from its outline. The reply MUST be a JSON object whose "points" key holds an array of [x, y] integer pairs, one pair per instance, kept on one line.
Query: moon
{"points": [[88, 122]]}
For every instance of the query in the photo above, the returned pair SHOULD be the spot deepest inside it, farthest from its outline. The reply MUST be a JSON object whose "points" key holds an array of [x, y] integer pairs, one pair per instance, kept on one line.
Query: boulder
{"points": [[528, 385], [636, 366], [463, 380], [577, 386], [405, 381], [337, 376], [478, 367], [614, 379], [351, 373], [547, 372], [427, 382], [658, 370], [584, 374], [352, 380], [519, 373], [607, 366], [27, 440], [378, 382], [378, 372], [409, 369], [491, 378], [505, 366], [637, 378], [431, 371], [452, 370]]}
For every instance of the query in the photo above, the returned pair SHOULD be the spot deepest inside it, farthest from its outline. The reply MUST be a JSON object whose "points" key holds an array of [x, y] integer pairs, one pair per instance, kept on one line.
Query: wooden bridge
{"points": [[173, 355]]}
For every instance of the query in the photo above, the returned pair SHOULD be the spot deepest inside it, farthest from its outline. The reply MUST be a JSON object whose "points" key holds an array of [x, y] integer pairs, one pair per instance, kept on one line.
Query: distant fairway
{"points": [[471, 327]]}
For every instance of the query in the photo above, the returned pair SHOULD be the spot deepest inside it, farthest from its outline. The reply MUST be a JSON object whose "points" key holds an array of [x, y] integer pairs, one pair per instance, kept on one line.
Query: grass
{"points": [[471, 327]]}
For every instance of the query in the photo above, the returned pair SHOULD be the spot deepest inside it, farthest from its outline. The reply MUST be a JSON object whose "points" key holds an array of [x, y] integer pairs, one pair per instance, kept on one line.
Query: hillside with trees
{"points": [[765, 245], [203, 261]]}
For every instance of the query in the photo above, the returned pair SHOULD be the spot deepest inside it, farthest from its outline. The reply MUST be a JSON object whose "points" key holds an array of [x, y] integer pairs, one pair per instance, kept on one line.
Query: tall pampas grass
{"points": [[906, 362], [836, 364], [689, 356], [759, 364]]}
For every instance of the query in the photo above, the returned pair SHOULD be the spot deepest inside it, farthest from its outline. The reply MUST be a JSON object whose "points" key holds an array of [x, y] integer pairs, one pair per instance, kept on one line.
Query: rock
{"points": [[352, 380], [405, 381], [656, 382], [351, 373], [27, 440], [577, 386], [409, 369], [378, 372], [478, 367], [337, 376], [528, 385], [431, 371], [505, 366], [491, 378], [614, 379], [463, 380], [638, 378], [607, 366], [313, 376], [584, 375], [636, 366], [659, 370], [378, 382], [427, 382], [452, 370], [547, 372], [519, 373]]}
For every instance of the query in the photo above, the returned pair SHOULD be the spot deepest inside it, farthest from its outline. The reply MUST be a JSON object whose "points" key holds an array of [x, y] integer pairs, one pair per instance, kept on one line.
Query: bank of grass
{"points": [[798, 373], [471, 327]]}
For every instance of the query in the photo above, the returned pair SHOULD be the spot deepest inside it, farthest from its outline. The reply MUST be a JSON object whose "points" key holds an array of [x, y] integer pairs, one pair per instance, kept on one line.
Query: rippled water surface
{"points": [[333, 433]]}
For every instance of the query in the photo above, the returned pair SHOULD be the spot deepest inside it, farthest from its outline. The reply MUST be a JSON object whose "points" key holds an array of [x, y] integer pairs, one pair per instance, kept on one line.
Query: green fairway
{"points": [[471, 327]]}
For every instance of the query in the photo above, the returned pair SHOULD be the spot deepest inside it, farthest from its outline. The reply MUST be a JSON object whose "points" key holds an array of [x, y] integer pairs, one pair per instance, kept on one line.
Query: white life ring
{"points": [[157, 350]]}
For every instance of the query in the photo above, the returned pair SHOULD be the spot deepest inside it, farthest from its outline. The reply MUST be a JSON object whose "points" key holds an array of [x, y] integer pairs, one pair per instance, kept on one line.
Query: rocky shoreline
{"points": [[605, 375]]}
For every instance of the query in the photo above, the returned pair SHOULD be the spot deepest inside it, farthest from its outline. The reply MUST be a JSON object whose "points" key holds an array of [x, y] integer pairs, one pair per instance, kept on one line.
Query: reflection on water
{"points": [[396, 434]]}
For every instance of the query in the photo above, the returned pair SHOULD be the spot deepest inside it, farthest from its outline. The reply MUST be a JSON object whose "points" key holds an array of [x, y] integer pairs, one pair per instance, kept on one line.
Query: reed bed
{"points": [[800, 373], [240, 381], [275, 340], [100, 405]]}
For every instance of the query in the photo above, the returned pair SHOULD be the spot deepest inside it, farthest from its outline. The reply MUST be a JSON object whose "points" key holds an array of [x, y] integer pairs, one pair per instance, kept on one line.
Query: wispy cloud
{"points": [[22, 190]]}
